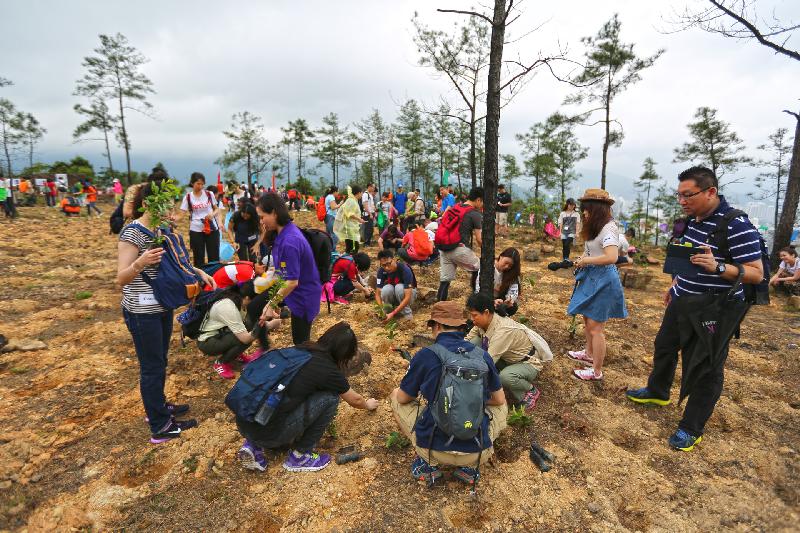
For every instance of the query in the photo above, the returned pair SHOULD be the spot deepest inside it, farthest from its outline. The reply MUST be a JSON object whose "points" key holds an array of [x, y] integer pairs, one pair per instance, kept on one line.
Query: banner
{"points": [[446, 178], [273, 183]]}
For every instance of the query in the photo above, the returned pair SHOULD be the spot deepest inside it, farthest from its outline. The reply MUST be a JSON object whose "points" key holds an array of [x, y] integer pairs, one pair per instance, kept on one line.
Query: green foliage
{"points": [[573, 327], [247, 148], [83, 295], [299, 135], [518, 418], [397, 440], [391, 329], [531, 281], [332, 430], [274, 298], [382, 309], [539, 161], [159, 203], [191, 463], [410, 137], [334, 146], [713, 144]]}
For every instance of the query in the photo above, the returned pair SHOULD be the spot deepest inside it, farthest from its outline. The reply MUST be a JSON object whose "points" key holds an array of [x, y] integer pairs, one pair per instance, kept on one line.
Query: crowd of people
{"points": [[453, 400]]}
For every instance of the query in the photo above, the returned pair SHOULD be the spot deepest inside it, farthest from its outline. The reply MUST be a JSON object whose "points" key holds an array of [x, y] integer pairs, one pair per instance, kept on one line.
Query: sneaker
{"points": [[252, 457], [581, 357], [587, 374], [467, 475], [172, 430], [174, 410], [680, 440], [224, 370], [306, 462], [421, 470], [339, 300], [249, 358], [644, 396], [530, 398]]}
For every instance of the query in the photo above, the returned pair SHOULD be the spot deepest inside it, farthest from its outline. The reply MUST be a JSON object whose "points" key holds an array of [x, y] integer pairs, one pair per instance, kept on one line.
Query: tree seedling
{"points": [[518, 418], [397, 440], [573, 326], [159, 203], [275, 298]]}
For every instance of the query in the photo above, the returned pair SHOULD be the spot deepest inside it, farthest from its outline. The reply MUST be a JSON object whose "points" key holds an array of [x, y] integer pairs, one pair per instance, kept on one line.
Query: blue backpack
{"points": [[177, 284], [262, 383]]}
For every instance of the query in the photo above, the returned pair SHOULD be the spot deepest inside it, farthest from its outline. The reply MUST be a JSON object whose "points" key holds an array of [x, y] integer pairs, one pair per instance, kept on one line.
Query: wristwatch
{"points": [[720, 268]]}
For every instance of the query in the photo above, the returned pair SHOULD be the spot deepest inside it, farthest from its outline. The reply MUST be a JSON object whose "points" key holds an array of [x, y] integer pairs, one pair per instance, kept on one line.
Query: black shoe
{"points": [[172, 431], [177, 409], [540, 457]]}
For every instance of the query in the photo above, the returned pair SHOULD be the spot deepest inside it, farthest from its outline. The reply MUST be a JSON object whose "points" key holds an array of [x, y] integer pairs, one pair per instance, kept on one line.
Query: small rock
{"points": [[593, 507], [29, 345], [35, 478], [67, 305], [80, 462], [794, 302], [792, 346], [547, 248], [531, 254]]}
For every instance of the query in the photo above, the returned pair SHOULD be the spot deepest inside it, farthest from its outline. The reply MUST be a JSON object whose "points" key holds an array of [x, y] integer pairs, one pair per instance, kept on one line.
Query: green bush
{"points": [[83, 295]]}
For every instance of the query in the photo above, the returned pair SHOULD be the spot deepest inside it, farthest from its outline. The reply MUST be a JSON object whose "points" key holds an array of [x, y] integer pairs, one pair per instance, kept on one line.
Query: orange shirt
{"points": [[91, 194], [23, 186]]}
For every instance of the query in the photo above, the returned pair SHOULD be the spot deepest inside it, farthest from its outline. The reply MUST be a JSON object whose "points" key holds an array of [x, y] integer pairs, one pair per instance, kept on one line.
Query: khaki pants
{"points": [[462, 257], [517, 378], [501, 219], [406, 416]]}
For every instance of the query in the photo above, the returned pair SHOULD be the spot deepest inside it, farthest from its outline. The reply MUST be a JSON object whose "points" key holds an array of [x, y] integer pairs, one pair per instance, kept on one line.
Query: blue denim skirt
{"points": [[598, 294]]}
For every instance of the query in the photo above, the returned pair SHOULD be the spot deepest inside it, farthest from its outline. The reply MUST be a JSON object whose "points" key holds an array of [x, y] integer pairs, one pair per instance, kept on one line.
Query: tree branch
{"points": [[470, 13], [755, 31]]}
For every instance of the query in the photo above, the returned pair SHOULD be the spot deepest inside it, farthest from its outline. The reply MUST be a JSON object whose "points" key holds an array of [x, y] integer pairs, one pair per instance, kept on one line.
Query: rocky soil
{"points": [[74, 451]]}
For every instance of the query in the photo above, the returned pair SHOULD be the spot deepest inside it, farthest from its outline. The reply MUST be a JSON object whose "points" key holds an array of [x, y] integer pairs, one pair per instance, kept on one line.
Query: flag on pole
{"points": [[219, 183], [446, 178], [273, 183]]}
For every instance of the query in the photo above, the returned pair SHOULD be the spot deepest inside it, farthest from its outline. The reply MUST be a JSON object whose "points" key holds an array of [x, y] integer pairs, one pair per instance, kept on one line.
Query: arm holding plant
{"points": [[407, 291]]}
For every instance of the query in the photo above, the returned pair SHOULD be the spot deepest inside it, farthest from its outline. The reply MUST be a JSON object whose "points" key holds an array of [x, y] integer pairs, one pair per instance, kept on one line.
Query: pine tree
{"points": [[247, 146], [98, 117], [645, 183], [611, 67], [773, 182], [409, 136], [539, 161], [332, 144], [565, 150], [298, 134], [511, 170], [373, 139]]}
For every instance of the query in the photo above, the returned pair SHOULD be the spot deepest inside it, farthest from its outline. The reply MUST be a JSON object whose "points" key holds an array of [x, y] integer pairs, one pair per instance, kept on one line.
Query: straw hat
{"points": [[598, 195]]}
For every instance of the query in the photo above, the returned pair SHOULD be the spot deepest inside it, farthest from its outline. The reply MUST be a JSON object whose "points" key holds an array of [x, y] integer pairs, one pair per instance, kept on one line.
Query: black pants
{"points": [[343, 286], [367, 231], [350, 246], [254, 310], [706, 392], [301, 330], [506, 310], [51, 200], [566, 245], [245, 253], [389, 245], [202, 243], [225, 346]]}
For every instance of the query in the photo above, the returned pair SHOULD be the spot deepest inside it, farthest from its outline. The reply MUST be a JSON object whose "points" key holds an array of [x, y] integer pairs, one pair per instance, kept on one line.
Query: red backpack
{"points": [[423, 246], [448, 234], [321, 211]]}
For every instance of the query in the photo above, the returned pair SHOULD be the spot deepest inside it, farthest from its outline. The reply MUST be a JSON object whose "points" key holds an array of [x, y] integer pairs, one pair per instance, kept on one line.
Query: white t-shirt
{"points": [[431, 228], [790, 269], [202, 206], [236, 197], [608, 236], [623, 246], [368, 203]]}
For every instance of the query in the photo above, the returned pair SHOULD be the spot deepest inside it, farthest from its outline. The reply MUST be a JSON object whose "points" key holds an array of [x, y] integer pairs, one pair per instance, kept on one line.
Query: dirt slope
{"points": [[74, 452]]}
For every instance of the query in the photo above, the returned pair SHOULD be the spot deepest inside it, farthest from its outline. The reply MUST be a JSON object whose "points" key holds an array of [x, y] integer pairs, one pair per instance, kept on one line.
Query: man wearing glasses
{"points": [[698, 195]]}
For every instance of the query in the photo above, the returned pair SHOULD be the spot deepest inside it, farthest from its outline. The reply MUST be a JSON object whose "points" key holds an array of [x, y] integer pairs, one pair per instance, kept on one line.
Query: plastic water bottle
{"points": [[266, 411]]}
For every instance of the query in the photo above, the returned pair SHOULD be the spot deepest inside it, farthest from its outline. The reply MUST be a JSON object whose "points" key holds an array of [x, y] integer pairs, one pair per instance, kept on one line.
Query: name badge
{"points": [[147, 299], [378, 281]]}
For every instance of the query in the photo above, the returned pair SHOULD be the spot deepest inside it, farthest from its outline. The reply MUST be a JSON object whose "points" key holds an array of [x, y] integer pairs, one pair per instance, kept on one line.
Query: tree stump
{"points": [[547, 248], [794, 302], [531, 254], [635, 279]]}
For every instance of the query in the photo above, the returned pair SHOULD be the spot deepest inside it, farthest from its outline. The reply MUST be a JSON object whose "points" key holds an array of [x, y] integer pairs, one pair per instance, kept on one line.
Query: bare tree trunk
{"points": [[607, 141], [108, 151], [783, 231], [490, 169], [473, 169], [124, 131], [249, 173]]}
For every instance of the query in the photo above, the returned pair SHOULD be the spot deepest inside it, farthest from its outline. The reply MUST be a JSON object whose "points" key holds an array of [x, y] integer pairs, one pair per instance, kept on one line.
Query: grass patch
{"points": [[518, 418], [397, 440], [83, 295], [190, 463], [332, 431], [20, 370]]}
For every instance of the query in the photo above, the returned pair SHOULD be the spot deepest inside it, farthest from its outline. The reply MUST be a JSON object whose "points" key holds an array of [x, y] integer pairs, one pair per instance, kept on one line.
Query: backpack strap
{"points": [[720, 233]]}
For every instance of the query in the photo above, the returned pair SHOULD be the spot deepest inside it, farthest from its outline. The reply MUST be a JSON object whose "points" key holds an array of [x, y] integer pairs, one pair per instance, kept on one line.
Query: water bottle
{"points": [[267, 409]]}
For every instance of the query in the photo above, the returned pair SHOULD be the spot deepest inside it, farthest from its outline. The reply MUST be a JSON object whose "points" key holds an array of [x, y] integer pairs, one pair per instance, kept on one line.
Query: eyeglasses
{"points": [[385, 264], [684, 196]]}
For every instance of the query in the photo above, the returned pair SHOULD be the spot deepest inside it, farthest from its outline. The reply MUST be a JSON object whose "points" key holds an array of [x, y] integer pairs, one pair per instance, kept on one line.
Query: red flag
{"points": [[219, 183], [273, 183]]}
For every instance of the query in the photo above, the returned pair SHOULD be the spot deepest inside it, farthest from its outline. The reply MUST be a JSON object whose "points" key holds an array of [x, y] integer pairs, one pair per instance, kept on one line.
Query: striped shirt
{"points": [[744, 245], [137, 296]]}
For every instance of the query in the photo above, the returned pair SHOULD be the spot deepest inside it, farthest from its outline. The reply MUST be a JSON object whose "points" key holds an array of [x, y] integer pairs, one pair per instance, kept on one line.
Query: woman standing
{"points": [[598, 292], [507, 288], [330, 213], [294, 263], [149, 323], [243, 230], [347, 226], [568, 224], [204, 226]]}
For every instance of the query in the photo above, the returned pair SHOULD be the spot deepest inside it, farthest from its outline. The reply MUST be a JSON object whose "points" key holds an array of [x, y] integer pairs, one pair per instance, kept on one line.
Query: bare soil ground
{"points": [[74, 451]]}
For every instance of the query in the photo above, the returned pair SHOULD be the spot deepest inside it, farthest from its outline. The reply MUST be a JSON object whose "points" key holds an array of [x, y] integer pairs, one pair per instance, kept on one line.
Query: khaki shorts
{"points": [[406, 415], [501, 219], [462, 257]]}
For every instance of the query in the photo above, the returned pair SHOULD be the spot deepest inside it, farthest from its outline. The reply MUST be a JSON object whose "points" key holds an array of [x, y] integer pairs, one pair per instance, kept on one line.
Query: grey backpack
{"points": [[460, 403]]}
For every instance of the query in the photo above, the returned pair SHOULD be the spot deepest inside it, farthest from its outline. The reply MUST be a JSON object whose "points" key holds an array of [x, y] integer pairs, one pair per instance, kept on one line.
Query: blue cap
{"points": [[399, 184]]}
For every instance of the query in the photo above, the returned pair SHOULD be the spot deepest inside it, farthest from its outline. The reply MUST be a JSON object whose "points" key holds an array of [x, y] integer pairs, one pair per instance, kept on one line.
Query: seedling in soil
{"points": [[82, 295], [397, 440], [391, 329], [160, 203], [190, 463], [522, 319], [518, 418], [531, 281], [573, 327], [332, 431], [382, 309]]}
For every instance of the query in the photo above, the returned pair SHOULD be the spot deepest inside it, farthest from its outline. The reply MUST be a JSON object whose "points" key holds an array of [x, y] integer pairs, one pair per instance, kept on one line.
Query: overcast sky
{"points": [[288, 59]]}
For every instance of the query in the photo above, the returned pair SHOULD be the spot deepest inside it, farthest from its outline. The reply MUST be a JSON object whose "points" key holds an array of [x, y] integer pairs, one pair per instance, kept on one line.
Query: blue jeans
{"points": [[329, 220], [301, 429], [151, 334]]}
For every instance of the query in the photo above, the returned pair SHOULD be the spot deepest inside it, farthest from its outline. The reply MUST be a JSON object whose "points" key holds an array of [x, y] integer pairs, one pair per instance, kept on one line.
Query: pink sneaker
{"points": [[340, 300], [224, 370], [580, 357], [249, 358], [587, 374]]}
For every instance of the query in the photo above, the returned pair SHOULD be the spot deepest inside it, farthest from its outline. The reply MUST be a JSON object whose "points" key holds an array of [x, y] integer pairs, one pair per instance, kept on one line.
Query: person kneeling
{"points": [[468, 371], [224, 334], [308, 405], [518, 351], [346, 277], [396, 285]]}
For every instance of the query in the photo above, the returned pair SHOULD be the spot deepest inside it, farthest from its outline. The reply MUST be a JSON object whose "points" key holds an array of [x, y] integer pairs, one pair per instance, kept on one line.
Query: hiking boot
{"points": [[421, 470], [587, 374], [580, 357], [224, 370], [172, 430], [683, 441], [644, 396], [530, 398], [467, 475], [249, 358], [306, 462], [252, 457]]}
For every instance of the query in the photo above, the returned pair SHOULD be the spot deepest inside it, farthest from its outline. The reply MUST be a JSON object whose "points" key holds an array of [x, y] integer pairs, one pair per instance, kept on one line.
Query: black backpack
{"points": [[756, 294], [321, 246], [117, 221], [191, 320]]}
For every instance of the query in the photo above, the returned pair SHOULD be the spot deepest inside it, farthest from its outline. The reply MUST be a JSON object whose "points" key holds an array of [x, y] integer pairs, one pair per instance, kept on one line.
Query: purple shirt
{"points": [[294, 260]]}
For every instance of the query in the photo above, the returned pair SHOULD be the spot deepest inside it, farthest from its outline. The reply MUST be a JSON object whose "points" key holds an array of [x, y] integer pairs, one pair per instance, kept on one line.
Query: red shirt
{"points": [[51, 185], [346, 267], [292, 194]]}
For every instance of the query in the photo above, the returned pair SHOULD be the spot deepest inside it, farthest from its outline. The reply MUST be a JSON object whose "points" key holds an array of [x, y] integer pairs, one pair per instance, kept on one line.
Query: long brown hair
{"points": [[599, 216], [511, 275]]}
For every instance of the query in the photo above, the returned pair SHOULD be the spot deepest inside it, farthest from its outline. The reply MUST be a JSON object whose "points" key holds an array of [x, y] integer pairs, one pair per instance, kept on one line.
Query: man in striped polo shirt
{"points": [[698, 195]]}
